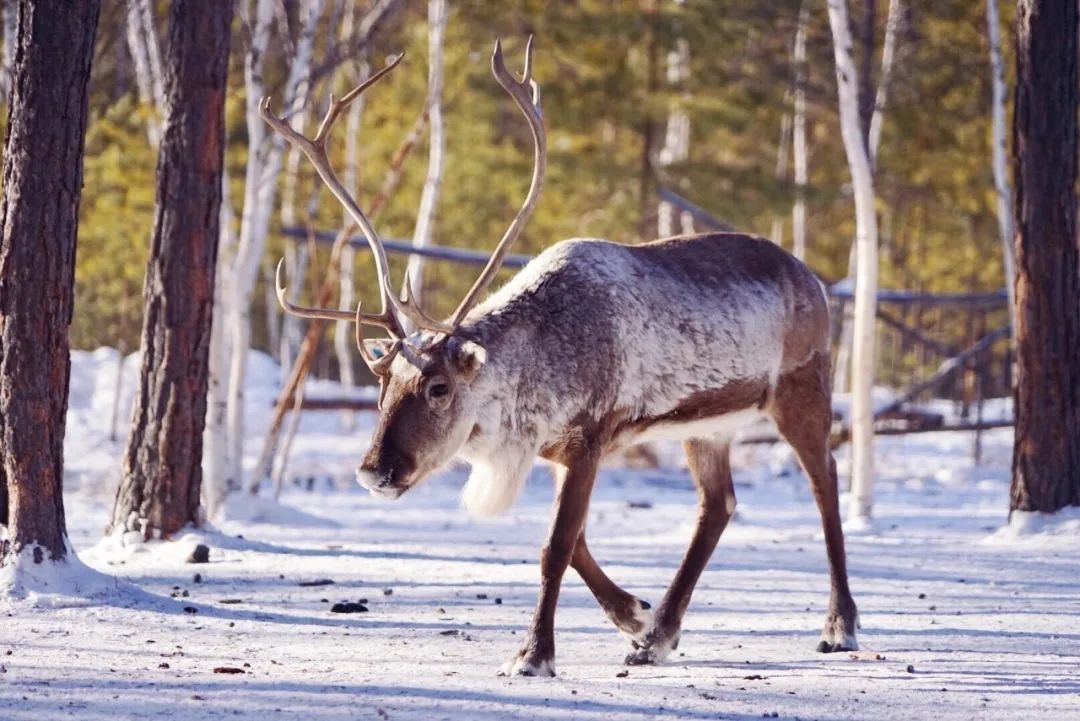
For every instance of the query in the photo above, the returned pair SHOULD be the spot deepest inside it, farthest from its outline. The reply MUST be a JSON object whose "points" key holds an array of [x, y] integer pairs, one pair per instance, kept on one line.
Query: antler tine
{"points": [[315, 150], [406, 306], [336, 106], [382, 320], [526, 94]]}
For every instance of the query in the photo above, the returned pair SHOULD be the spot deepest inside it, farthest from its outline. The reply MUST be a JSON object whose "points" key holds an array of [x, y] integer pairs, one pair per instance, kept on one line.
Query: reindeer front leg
{"points": [[537, 654]]}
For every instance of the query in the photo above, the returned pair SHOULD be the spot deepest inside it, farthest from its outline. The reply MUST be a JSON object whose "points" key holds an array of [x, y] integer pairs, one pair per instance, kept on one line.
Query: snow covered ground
{"points": [[961, 618]]}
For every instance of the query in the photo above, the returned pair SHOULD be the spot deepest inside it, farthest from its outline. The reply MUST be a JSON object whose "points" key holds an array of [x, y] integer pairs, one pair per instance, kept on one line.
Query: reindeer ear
{"points": [[378, 347], [468, 357]]}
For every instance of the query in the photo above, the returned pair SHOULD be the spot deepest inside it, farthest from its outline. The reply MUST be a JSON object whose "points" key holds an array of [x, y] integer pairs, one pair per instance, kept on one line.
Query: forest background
{"points": [[607, 100]]}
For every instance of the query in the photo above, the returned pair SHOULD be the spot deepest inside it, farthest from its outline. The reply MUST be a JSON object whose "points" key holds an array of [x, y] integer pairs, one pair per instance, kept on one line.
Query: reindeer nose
{"points": [[378, 484], [370, 479]]}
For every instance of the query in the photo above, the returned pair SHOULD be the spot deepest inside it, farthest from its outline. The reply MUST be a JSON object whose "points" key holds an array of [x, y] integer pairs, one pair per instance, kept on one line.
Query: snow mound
{"points": [[61, 584], [1032, 527], [122, 547], [245, 508]]}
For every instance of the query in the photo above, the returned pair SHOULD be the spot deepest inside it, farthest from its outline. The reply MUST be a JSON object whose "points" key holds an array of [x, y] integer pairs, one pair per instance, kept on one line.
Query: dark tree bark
{"points": [[159, 492], [1046, 453], [43, 164]]}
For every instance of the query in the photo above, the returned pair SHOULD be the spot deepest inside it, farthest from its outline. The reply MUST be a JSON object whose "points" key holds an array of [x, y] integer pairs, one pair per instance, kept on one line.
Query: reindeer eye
{"points": [[438, 390]]}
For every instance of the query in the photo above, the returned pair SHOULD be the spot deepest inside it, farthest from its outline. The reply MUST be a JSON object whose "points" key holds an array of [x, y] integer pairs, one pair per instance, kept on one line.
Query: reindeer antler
{"points": [[393, 308], [526, 94]]}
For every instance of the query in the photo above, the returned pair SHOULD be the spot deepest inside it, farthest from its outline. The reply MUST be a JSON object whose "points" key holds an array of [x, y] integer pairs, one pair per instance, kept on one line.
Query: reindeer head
{"points": [[427, 407]]}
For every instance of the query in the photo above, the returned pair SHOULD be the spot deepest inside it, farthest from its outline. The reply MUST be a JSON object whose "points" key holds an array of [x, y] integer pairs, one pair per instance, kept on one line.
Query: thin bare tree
{"points": [[1001, 174], [9, 17], [676, 147], [260, 189], [875, 118], [429, 199], [798, 138], [145, 53], [866, 271]]}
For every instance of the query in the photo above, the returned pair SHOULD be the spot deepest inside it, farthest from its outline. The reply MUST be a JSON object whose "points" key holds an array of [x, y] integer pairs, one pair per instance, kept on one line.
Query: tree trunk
{"points": [[43, 164], [429, 199], [1046, 452], [264, 165], [872, 140], [798, 138], [888, 54], [162, 481], [292, 332], [10, 19], [783, 150], [676, 147], [646, 180], [146, 58], [216, 442], [862, 411], [1001, 174], [344, 344], [865, 83]]}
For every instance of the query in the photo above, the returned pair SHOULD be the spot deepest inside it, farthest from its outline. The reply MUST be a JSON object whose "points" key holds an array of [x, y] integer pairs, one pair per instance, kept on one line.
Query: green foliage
{"points": [[116, 219], [601, 67]]}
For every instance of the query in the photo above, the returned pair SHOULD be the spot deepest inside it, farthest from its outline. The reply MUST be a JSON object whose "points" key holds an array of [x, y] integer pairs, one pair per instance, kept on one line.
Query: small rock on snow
{"points": [[200, 554], [348, 607]]}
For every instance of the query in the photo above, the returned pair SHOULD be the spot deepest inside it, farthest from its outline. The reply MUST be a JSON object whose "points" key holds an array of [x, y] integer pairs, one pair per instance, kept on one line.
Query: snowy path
{"points": [[992, 630]]}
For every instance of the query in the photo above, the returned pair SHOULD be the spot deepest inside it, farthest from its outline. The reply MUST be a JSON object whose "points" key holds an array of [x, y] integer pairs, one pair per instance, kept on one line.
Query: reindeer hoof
{"points": [[838, 635], [652, 651], [523, 666], [641, 657]]}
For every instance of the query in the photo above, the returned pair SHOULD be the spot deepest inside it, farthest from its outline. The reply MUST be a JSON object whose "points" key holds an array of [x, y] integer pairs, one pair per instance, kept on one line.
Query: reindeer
{"points": [[592, 347]]}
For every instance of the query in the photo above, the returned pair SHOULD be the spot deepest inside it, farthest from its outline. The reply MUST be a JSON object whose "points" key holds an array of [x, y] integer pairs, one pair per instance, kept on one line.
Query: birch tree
{"points": [[260, 188], [862, 411], [1001, 175], [888, 54], [872, 140], [798, 138], [145, 53], [429, 199], [216, 443], [373, 19], [9, 16], [343, 336], [782, 153], [676, 147]]}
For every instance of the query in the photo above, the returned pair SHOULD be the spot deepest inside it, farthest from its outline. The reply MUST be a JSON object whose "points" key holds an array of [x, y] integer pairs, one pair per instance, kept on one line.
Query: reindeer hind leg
{"points": [[803, 413]]}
